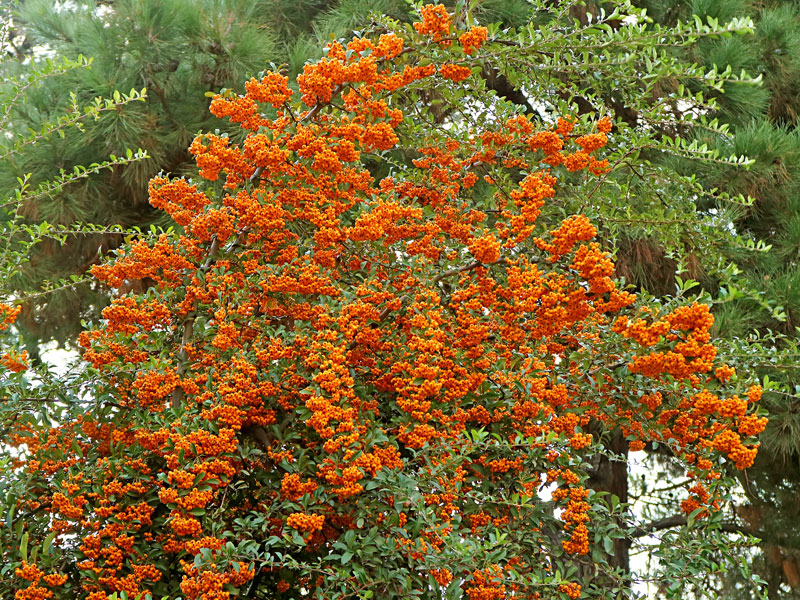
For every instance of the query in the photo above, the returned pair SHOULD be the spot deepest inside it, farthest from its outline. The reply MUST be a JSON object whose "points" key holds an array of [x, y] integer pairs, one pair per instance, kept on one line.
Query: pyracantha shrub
{"points": [[339, 385]]}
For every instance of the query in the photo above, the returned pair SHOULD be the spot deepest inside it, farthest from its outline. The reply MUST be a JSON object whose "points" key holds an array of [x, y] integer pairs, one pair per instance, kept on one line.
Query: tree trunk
{"points": [[612, 476]]}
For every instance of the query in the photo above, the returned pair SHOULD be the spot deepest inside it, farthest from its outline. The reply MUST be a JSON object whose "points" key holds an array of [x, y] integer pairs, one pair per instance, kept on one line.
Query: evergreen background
{"points": [[181, 49]]}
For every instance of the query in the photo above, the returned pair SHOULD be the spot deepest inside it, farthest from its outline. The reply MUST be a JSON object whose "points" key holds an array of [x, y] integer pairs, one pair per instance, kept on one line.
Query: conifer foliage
{"points": [[343, 386], [176, 50]]}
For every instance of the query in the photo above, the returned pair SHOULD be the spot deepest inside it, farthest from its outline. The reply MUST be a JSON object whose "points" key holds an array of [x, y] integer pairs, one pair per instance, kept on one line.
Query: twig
{"points": [[449, 273], [680, 521]]}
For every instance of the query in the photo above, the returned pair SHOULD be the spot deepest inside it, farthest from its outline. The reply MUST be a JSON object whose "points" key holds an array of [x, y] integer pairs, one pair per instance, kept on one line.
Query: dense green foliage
{"points": [[651, 209]]}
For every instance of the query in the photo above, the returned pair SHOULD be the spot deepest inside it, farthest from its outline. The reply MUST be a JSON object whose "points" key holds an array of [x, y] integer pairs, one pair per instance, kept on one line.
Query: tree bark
{"points": [[612, 476]]}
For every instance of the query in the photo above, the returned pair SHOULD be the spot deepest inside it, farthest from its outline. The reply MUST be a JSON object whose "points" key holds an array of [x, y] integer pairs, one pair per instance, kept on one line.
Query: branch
{"points": [[307, 117], [188, 329], [449, 273], [265, 438], [681, 521], [456, 270], [498, 82]]}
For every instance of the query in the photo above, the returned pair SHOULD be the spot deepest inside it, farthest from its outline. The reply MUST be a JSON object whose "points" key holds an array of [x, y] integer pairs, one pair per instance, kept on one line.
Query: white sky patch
{"points": [[59, 361]]}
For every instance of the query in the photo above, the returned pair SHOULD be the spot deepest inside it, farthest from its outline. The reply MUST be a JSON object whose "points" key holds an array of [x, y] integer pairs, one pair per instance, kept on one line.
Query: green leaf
{"points": [[48, 541]]}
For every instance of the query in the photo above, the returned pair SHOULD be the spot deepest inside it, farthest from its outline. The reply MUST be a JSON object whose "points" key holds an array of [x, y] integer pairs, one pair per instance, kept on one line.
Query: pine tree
{"points": [[21, 238]]}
